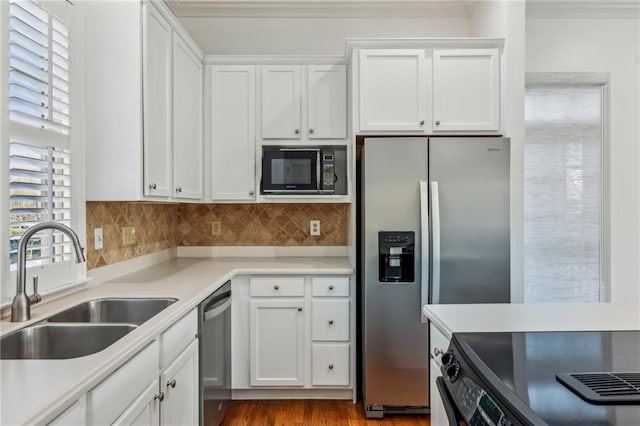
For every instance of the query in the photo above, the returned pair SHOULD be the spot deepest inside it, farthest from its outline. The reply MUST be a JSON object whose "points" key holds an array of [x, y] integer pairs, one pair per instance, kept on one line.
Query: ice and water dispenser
{"points": [[396, 257]]}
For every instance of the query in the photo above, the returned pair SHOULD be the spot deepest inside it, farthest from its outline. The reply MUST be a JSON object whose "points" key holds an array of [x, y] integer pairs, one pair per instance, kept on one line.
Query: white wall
{"points": [[307, 36], [613, 46], [506, 19]]}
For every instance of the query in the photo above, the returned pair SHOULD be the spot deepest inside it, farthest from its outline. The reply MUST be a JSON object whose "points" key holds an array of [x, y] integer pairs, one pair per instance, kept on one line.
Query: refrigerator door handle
{"points": [[435, 221], [424, 246]]}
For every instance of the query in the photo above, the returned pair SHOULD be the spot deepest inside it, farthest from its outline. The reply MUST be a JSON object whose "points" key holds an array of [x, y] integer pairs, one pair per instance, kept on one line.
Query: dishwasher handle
{"points": [[217, 304]]}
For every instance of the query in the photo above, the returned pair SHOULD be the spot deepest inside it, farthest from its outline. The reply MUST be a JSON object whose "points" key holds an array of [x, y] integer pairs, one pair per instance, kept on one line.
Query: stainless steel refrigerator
{"points": [[434, 224]]}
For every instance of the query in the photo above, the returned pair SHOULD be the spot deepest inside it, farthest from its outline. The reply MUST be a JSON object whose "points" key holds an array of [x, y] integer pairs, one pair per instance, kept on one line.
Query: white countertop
{"points": [[515, 317], [35, 391]]}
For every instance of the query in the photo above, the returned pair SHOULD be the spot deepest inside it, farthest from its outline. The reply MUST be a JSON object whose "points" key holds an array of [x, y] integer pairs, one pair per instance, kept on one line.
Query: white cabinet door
{"points": [[180, 383], [187, 122], [466, 90], [393, 89], [232, 132], [144, 411], [157, 103], [438, 415], [276, 345], [326, 101], [281, 100]]}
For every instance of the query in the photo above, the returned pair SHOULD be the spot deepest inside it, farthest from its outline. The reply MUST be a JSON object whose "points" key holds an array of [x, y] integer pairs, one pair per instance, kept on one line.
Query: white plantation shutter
{"points": [[39, 127], [40, 190], [39, 63]]}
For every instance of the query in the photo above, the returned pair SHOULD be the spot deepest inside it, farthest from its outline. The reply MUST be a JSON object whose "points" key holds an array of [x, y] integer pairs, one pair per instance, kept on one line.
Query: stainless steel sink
{"points": [[114, 310], [61, 341]]}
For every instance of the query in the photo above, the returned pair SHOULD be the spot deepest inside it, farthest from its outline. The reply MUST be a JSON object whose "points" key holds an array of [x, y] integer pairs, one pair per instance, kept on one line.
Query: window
{"points": [[37, 145], [563, 193]]}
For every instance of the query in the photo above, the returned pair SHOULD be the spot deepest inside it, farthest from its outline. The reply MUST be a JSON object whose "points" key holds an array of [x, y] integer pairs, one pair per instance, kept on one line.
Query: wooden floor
{"points": [[309, 412]]}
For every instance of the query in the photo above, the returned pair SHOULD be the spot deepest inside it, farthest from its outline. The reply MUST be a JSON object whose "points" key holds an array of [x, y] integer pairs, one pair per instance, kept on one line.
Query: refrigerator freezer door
{"points": [[472, 196], [395, 341]]}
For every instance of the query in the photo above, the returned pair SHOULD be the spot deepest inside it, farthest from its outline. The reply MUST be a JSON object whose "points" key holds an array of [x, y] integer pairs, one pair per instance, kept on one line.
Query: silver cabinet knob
{"points": [[330, 366], [296, 131], [179, 189], [437, 122], [276, 287], [153, 186], [422, 122], [310, 130], [437, 352], [171, 383], [159, 397], [299, 308], [251, 192], [330, 322], [331, 287]]}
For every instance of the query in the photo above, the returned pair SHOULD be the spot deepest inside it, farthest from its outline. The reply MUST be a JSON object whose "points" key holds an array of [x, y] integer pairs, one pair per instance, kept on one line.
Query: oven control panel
{"points": [[477, 407]]}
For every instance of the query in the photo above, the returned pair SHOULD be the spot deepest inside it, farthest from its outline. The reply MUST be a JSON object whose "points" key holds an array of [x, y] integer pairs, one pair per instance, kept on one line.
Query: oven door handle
{"points": [[216, 309], [449, 408]]}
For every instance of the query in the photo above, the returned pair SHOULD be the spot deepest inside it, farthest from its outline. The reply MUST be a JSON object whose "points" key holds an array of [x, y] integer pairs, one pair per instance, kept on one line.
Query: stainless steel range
{"points": [[543, 378]]}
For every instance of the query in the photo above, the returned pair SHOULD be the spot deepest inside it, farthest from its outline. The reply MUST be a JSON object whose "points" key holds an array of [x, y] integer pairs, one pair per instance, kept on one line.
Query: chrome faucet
{"points": [[21, 306]]}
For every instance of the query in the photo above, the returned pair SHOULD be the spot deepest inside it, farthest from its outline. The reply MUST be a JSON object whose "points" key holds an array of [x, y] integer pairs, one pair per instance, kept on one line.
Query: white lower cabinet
{"points": [[158, 386], [438, 344], [295, 335], [277, 342]]}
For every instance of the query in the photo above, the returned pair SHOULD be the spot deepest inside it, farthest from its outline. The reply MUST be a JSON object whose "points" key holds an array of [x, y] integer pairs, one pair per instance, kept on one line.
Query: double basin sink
{"points": [[81, 330]]}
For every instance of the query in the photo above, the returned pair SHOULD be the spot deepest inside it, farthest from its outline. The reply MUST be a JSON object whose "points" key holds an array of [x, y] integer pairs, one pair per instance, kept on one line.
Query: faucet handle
{"points": [[35, 297]]}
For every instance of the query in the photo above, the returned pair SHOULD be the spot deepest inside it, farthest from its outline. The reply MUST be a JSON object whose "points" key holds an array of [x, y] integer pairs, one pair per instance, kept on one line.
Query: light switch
{"points": [[128, 235]]}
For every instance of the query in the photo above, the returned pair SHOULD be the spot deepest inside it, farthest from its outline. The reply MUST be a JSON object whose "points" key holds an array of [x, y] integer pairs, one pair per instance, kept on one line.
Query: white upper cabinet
{"points": [[281, 101], [301, 103], [143, 104], [466, 90], [187, 122], [393, 89], [156, 65], [232, 132], [327, 101]]}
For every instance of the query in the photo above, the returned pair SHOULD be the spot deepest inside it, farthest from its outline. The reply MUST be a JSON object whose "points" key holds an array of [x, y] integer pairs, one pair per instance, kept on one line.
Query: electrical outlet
{"points": [[314, 228], [97, 239], [128, 235], [216, 227]]}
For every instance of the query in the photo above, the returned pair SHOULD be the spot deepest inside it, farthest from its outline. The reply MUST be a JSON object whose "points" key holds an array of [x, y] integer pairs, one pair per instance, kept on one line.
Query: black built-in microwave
{"points": [[298, 170]]}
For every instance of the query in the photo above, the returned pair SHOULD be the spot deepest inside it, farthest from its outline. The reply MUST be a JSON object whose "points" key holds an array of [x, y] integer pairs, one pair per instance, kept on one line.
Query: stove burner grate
{"points": [[604, 387]]}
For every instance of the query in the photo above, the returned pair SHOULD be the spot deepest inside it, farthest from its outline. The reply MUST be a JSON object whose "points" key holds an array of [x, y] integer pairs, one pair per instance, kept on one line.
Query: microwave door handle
{"points": [[318, 184]]}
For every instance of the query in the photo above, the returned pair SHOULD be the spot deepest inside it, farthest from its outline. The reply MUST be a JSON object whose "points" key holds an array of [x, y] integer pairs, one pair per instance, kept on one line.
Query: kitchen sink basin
{"points": [[61, 341], [113, 310]]}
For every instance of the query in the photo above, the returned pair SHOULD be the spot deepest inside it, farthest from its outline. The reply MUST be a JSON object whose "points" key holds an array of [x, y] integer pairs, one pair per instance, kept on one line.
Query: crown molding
{"points": [[602, 9], [320, 9]]}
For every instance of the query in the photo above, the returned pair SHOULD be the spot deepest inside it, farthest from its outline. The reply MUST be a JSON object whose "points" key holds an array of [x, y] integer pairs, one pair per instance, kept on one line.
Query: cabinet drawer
{"points": [[330, 286], [177, 337], [330, 320], [111, 397], [276, 286], [330, 364], [436, 340]]}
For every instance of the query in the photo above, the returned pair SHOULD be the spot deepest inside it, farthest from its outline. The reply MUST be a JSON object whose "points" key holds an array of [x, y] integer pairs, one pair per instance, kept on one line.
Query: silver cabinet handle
{"points": [[296, 131], [159, 397], [330, 366], [310, 130], [422, 122], [251, 192], [276, 287], [153, 186], [437, 122], [299, 309], [331, 287], [179, 189], [330, 322], [171, 383]]}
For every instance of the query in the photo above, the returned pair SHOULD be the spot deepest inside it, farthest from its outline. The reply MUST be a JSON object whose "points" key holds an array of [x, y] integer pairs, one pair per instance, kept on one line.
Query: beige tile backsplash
{"points": [[160, 226]]}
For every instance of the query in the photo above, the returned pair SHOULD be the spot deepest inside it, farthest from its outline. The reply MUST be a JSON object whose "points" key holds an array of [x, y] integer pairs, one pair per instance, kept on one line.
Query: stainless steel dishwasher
{"points": [[215, 355]]}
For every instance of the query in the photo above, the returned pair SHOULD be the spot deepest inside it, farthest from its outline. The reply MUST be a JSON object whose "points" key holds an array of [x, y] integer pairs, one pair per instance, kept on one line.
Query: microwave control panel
{"points": [[328, 171]]}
